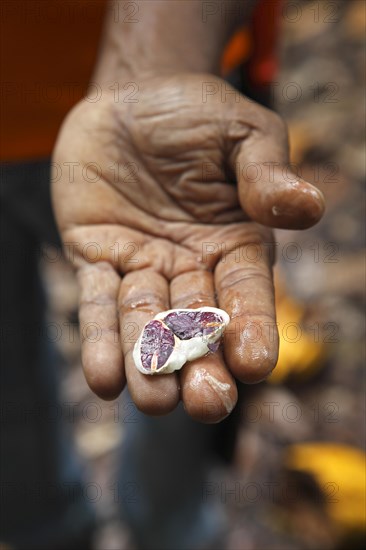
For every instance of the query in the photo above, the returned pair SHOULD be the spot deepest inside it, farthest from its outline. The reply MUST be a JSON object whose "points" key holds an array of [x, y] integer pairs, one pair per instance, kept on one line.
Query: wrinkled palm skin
{"points": [[168, 188]]}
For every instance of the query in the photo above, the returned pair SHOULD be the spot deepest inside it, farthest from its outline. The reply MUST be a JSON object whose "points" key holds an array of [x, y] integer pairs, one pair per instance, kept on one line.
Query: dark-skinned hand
{"points": [[179, 191]]}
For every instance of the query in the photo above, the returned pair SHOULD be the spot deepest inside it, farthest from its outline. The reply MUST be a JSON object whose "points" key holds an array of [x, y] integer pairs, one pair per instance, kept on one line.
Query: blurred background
{"points": [[297, 478]]}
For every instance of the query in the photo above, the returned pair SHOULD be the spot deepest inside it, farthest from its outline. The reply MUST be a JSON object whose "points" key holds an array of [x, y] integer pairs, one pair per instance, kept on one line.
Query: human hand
{"points": [[198, 182]]}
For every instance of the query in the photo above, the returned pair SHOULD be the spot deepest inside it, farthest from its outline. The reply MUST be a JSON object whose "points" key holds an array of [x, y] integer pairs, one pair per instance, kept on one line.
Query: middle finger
{"points": [[208, 390]]}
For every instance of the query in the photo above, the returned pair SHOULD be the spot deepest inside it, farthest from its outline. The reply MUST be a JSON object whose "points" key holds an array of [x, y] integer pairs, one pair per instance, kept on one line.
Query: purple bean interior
{"points": [[156, 339], [190, 324]]}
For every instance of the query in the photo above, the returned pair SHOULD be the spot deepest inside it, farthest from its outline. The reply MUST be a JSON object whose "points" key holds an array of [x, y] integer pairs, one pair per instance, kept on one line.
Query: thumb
{"points": [[269, 192]]}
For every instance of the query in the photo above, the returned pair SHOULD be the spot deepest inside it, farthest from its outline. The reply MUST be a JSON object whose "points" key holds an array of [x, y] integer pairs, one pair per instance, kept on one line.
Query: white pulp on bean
{"points": [[176, 336]]}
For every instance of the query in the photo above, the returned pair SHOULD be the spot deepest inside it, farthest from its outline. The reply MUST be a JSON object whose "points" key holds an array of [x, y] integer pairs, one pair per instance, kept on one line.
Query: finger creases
{"points": [[99, 328], [142, 295], [208, 389], [245, 290]]}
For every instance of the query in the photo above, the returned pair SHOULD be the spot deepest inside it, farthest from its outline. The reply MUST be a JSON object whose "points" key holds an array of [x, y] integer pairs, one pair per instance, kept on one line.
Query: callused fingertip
{"points": [[317, 194], [156, 402], [320, 210], [254, 365], [208, 411], [109, 394], [311, 203], [104, 372], [315, 197], [206, 398], [156, 409], [254, 376], [301, 212], [108, 390]]}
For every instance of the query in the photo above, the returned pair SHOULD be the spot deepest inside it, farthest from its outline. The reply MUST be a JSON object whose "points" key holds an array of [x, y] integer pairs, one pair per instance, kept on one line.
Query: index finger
{"points": [[208, 390]]}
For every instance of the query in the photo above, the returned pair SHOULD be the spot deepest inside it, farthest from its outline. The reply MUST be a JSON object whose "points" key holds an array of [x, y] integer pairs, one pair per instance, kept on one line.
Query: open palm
{"points": [[164, 203]]}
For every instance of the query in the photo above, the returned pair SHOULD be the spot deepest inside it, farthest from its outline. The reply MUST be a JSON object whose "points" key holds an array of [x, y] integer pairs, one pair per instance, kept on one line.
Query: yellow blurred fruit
{"points": [[300, 354], [340, 473]]}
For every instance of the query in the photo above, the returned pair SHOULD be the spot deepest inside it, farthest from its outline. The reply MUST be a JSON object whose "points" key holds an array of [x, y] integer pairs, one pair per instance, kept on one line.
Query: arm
{"points": [[155, 37]]}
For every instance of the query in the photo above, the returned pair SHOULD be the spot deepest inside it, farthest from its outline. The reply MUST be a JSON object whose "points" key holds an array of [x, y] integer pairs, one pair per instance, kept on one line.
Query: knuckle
{"points": [[148, 302], [241, 276]]}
